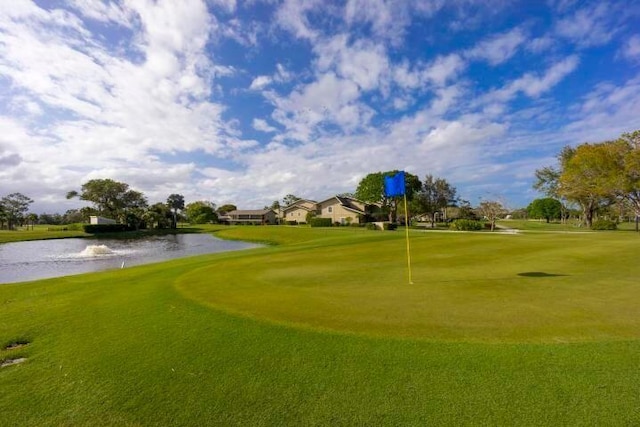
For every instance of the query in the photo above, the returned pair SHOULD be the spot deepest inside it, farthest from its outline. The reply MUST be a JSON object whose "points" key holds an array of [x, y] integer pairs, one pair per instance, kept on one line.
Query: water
{"points": [[41, 259]]}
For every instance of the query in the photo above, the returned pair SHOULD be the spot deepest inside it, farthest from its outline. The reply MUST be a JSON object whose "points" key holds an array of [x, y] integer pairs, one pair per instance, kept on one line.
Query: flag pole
{"points": [[406, 228]]}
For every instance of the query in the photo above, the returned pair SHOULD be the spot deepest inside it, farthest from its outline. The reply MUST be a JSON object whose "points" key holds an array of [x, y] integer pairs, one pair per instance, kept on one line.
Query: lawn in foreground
{"points": [[147, 346]]}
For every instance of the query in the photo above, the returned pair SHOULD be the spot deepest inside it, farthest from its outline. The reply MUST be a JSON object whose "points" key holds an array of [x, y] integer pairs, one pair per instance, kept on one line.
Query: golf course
{"points": [[320, 326]]}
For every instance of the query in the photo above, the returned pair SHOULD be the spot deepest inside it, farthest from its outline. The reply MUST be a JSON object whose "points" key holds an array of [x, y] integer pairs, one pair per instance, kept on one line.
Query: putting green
{"points": [[467, 287]]}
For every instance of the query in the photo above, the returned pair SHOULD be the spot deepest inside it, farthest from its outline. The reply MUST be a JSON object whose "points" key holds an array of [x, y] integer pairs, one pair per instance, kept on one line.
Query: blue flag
{"points": [[394, 185]]}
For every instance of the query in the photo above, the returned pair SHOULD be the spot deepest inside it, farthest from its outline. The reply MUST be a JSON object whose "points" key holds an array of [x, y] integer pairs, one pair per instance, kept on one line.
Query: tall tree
{"points": [[108, 196], [289, 199], [225, 209], [586, 177], [201, 212], [547, 208], [134, 208], [371, 190], [14, 206], [436, 194], [630, 176], [175, 203], [158, 215]]}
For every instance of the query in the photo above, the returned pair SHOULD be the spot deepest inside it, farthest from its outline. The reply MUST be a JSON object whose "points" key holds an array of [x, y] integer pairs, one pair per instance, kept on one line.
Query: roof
{"points": [[298, 204], [250, 212], [347, 203]]}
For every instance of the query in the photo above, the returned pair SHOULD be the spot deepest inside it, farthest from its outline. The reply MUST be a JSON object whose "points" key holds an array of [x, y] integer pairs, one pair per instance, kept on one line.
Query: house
{"points": [[298, 210], [262, 216], [343, 210], [101, 220]]}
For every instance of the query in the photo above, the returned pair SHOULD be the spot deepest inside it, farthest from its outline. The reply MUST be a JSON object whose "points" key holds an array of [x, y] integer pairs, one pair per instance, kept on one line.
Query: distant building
{"points": [[262, 217], [101, 220], [341, 210]]}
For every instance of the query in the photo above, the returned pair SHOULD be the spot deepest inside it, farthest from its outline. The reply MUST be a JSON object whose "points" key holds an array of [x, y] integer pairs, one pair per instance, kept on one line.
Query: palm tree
{"points": [[175, 202]]}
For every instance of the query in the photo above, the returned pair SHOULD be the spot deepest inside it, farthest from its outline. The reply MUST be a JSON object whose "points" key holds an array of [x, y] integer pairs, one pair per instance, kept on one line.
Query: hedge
{"points": [[320, 222], [105, 228]]}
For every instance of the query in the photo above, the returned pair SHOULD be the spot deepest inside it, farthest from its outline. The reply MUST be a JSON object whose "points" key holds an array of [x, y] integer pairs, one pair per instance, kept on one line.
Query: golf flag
{"points": [[394, 185]]}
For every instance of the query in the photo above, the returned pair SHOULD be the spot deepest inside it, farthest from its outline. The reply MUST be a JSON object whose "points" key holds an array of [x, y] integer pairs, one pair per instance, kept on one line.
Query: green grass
{"points": [[38, 233], [321, 328]]}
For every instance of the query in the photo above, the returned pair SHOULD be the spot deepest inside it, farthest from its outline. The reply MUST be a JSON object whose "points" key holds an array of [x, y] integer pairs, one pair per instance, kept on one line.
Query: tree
{"points": [[32, 219], [175, 202], [587, 177], [225, 209], [583, 176], [547, 208], [106, 195], [134, 208], [201, 212], [158, 215], [14, 206], [290, 199], [492, 211], [436, 194], [630, 176], [371, 190]]}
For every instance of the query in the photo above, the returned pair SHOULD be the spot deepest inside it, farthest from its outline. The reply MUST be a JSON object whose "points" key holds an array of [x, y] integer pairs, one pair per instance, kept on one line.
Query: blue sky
{"points": [[246, 101]]}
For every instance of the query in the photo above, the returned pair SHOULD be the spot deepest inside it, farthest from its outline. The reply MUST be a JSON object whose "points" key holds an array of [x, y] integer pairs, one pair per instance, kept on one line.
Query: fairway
{"points": [[322, 328]]}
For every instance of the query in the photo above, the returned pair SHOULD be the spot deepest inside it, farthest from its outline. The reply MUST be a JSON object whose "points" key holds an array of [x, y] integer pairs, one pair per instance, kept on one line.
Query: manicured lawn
{"points": [[323, 329], [38, 233]]}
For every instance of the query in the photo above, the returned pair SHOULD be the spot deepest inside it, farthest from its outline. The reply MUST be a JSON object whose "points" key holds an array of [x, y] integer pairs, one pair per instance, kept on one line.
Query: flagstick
{"points": [[406, 227]]}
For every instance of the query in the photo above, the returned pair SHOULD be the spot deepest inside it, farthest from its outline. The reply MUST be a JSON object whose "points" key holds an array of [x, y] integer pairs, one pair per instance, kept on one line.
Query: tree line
{"points": [[595, 176]]}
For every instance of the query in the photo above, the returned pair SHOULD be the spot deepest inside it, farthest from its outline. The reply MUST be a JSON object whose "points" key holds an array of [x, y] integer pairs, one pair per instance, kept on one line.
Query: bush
{"points": [[371, 226], [105, 228], [604, 224], [320, 222], [389, 226], [466, 225], [292, 222]]}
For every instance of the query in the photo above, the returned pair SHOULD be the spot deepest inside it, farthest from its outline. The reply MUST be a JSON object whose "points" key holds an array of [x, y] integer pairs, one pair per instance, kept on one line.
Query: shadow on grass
{"points": [[539, 274]]}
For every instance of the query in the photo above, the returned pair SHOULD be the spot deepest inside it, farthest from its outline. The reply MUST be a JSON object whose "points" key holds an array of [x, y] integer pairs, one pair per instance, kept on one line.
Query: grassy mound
{"points": [[469, 287]]}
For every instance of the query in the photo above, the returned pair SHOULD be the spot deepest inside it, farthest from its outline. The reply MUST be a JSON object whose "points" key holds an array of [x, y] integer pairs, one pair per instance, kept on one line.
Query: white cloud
{"points": [[498, 48], [631, 48], [263, 126], [362, 62], [534, 85], [589, 26], [260, 82], [292, 16]]}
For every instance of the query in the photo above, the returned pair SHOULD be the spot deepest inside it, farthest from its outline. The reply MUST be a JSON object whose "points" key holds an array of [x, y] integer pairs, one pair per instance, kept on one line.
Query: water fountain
{"points": [[96, 250]]}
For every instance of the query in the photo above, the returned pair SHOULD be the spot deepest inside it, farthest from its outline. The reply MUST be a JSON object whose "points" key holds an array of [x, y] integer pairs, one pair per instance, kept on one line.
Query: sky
{"points": [[245, 102]]}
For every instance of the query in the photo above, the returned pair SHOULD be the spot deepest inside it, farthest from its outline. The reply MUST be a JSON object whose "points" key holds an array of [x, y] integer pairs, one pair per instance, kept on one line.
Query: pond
{"points": [[42, 259]]}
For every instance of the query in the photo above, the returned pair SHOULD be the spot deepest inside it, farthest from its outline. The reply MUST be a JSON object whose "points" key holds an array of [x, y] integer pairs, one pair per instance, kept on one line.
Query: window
{"points": [[330, 209]]}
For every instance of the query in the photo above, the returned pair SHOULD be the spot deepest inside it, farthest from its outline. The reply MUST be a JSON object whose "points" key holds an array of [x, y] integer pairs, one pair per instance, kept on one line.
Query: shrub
{"points": [[466, 225], [389, 226], [292, 222], [105, 228], [604, 224], [371, 226], [320, 222]]}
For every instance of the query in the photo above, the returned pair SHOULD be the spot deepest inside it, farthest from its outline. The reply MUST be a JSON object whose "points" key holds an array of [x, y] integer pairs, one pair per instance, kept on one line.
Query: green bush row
{"points": [[466, 225], [105, 228], [604, 224], [320, 222]]}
